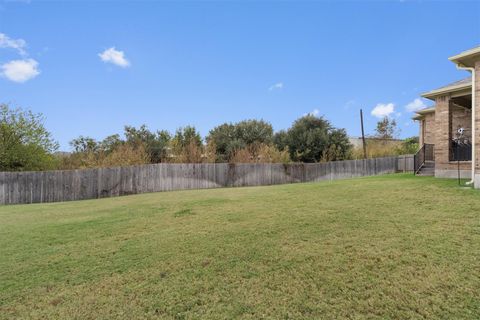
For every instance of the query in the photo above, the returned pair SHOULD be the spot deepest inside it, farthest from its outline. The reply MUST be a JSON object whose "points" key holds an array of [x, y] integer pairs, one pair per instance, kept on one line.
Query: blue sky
{"points": [[173, 64]]}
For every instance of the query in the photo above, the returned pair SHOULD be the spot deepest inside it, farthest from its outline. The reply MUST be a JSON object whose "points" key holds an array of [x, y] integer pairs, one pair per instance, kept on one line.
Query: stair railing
{"points": [[425, 153]]}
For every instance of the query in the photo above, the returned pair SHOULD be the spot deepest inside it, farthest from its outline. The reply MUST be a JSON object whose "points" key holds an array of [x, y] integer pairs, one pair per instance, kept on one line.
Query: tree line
{"points": [[25, 144]]}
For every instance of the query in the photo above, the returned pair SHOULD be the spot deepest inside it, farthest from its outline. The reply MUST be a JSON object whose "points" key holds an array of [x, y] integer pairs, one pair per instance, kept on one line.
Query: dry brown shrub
{"points": [[378, 148], [261, 153], [123, 155], [210, 155], [126, 155], [242, 156], [191, 153], [79, 160]]}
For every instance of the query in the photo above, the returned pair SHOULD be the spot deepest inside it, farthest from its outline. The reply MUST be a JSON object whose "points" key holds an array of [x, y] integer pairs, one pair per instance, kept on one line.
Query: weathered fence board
{"points": [[67, 185]]}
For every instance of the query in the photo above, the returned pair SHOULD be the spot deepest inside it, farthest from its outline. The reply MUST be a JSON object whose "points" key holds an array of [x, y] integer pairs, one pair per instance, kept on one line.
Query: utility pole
{"points": [[363, 136]]}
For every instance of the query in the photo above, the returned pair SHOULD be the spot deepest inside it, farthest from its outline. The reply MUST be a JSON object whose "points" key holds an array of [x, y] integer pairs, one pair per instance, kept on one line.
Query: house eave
{"points": [[435, 93], [420, 114], [466, 58], [426, 110]]}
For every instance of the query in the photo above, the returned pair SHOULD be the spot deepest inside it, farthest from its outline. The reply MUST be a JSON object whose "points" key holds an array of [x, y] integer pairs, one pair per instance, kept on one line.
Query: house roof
{"points": [[466, 58], [454, 86], [426, 110], [420, 113]]}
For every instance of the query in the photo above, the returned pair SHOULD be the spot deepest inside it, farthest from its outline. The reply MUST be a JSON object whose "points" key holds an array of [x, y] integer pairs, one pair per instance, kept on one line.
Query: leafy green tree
{"points": [[222, 137], [229, 138], [280, 140], [156, 143], [111, 143], [187, 145], [253, 132], [160, 148], [339, 147], [25, 143], [313, 139], [143, 134], [308, 138], [85, 144], [187, 135]]}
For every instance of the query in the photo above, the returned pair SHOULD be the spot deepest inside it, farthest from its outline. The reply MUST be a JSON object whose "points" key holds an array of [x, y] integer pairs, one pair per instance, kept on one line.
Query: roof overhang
{"points": [[434, 93], [466, 58], [420, 114], [426, 110]]}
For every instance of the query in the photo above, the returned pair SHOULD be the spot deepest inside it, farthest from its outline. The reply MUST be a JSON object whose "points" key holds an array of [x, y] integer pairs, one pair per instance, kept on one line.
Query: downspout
{"points": [[472, 70]]}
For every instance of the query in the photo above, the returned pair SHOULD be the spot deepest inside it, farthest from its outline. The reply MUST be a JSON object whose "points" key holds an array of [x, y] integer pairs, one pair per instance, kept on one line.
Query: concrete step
{"points": [[428, 172], [427, 169], [429, 164]]}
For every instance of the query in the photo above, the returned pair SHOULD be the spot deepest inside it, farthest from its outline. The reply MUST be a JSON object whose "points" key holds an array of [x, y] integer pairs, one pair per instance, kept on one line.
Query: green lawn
{"points": [[390, 247]]}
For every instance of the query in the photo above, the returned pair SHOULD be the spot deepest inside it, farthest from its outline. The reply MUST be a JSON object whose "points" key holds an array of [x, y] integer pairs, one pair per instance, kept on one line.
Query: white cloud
{"points": [[315, 113], [17, 70], [276, 86], [17, 44], [20, 70], [382, 110], [415, 105], [114, 56]]}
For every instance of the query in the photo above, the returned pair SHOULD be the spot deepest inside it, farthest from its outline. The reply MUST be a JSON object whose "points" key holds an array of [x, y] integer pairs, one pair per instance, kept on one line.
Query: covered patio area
{"points": [[449, 130]]}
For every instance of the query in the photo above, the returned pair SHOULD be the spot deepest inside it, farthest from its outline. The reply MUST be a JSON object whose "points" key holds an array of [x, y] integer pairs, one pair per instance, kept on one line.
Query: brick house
{"points": [[447, 137]]}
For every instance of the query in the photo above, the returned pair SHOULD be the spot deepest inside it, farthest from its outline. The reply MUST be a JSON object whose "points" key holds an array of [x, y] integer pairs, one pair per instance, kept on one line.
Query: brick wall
{"points": [[442, 134], [429, 123]]}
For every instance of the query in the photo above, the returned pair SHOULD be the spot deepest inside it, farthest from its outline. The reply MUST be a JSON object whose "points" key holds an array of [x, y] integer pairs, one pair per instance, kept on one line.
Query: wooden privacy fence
{"points": [[53, 186]]}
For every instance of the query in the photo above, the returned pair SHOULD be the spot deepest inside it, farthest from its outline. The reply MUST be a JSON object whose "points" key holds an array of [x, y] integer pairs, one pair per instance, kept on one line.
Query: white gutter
{"points": [[472, 70]]}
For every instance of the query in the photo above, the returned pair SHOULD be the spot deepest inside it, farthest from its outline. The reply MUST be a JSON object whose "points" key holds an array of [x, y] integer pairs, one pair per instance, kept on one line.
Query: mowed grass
{"points": [[390, 247]]}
